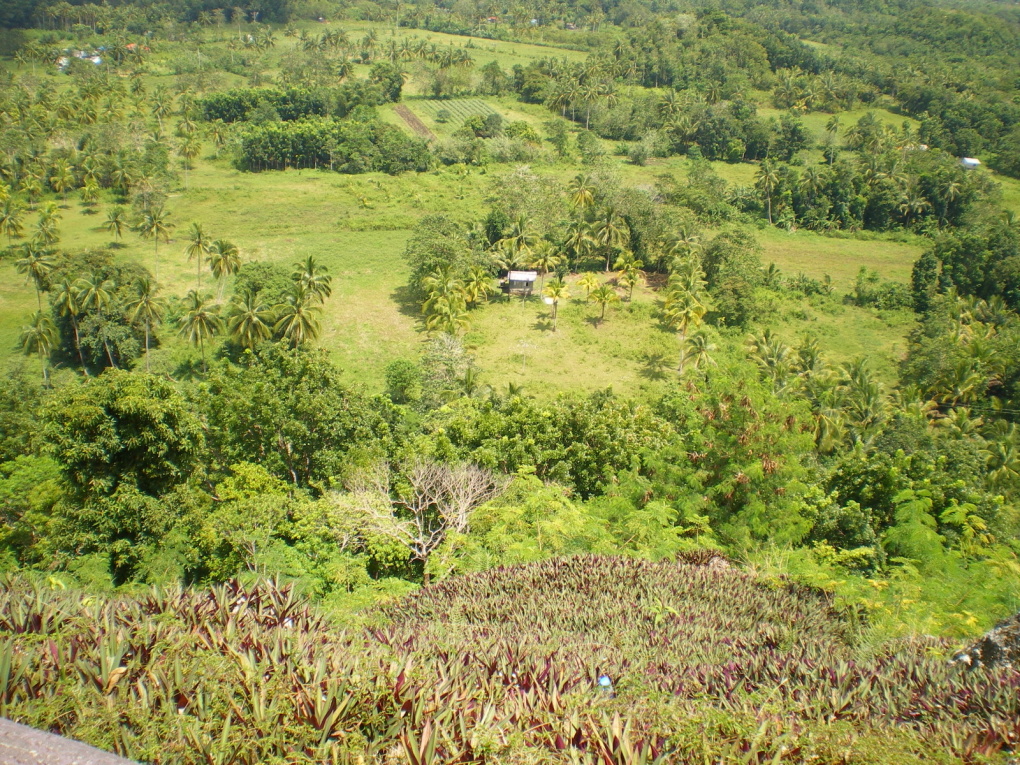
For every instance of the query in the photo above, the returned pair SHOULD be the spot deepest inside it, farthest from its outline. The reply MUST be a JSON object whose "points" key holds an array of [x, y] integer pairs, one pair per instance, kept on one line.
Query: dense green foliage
{"points": [[349, 146], [176, 425]]}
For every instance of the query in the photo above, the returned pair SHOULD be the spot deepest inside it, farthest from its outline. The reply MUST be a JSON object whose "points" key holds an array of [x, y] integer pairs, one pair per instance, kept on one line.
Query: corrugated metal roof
{"points": [[522, 276]]}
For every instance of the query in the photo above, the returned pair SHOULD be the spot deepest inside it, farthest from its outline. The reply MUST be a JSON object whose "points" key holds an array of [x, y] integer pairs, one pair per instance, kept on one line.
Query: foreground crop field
{"points": [[698, 662]]}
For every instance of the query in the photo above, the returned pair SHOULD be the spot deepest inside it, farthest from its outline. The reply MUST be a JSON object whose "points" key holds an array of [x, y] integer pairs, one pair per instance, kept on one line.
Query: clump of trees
{"points": [[348, 146]]}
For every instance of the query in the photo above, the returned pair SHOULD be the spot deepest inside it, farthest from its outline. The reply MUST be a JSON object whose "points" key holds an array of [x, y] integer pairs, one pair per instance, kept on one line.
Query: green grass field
{"points": [[358, 225]]}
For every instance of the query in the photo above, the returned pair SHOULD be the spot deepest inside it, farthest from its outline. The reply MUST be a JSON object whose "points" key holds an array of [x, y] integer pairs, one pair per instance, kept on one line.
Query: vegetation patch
{"points": [[607, 660]]}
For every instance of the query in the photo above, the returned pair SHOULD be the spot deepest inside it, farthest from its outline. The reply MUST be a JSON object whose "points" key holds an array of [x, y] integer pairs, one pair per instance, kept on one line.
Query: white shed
{"points": [[520, 282], [970, 163]]}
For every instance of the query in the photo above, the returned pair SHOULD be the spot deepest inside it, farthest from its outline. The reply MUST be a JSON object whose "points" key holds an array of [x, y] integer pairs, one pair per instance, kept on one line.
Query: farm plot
{"points": [[459, 108]]}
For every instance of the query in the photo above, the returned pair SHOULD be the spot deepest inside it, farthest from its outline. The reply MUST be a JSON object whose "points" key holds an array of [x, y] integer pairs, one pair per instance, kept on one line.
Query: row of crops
{"points": [[459, 109], [594, 660]]}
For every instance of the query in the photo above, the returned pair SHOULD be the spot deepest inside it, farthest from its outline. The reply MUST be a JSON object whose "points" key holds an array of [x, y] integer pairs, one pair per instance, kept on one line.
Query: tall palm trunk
{"points": [[106, 346], [146, 346], [77, 345]]}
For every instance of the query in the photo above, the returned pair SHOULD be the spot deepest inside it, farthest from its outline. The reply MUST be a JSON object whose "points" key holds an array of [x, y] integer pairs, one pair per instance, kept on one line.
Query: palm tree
{"points": [[46, 228], [631, 276], [588, 282], [296, 317], [65, 300], [36, 264], [189, 148], [913, 204], [519, 241], [147, 308], [249, 319], [121, 175], [97, 295], [448, 316], [199, 247], [950, 188], [681, 311], [90, 193], [224, 260], [1003, 458], [200, 322], [582, 192], [545, 259], [684, 244], [604, 295], [39, 337], [773, 358], [446, 307], [699, 348], [766, 182], [218, 133], [609, 232], [62, 179], [11, 219], [579, 240], [478, 285], [162, 105], [556, 291], [116, 222], [314, 278], [155, 225]]}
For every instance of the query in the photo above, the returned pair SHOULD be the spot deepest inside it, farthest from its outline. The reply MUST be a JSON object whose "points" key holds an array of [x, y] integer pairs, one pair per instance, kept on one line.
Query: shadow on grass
{"points": [[655, 366], [190, 370], [405, 302], [543, 323]]}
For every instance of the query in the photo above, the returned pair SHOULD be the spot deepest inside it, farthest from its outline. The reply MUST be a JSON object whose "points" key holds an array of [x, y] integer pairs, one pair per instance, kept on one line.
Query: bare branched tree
{"points": [[430, 502]]}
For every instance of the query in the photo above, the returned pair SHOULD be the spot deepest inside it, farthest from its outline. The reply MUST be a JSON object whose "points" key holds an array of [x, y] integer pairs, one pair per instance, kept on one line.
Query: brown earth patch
{"points": [[414, 122]]}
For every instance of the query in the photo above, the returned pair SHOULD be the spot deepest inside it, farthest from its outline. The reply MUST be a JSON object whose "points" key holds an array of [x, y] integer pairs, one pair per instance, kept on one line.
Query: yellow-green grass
{"points": [[513, 341], [815, 122], [483, 50], [846, 332], [427, 109], [1010, 192], [357, 226], [816, 255]]}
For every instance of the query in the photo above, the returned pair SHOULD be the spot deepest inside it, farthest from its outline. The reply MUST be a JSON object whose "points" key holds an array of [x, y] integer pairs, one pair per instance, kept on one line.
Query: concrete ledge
{"points": [[21, 745]]}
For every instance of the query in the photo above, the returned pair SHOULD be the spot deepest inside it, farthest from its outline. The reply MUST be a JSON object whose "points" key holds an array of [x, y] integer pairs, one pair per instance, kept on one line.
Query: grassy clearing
{"points": [[460, 109], [1010, 192], [357, 226], [815, 122], [817, 255]]}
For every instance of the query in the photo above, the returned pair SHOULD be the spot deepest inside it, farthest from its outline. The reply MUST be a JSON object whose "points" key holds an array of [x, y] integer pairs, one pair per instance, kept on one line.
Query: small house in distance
{"points": [[519, 282], [969, 163]]}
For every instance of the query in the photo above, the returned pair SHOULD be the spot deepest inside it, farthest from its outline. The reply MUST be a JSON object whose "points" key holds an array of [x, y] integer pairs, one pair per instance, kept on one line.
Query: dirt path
{"points": [[413, 122]]}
